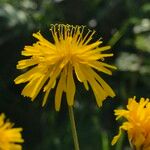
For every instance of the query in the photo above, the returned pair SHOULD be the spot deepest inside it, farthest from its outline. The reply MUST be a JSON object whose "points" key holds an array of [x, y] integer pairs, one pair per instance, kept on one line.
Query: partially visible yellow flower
{"points": [[54, 64], [137, 123], [10, 138]]}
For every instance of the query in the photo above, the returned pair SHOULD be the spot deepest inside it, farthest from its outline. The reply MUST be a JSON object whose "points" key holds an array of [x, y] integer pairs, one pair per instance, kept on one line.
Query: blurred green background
{"points": [[123, 24]]}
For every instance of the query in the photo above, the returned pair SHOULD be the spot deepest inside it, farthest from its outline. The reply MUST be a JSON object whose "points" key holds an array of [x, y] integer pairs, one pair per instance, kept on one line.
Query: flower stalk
{"points": [[73, 128]]}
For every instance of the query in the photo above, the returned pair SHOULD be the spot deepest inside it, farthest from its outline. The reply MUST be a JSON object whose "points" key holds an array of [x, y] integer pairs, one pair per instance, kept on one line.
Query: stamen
{"points": [[90, 37]]}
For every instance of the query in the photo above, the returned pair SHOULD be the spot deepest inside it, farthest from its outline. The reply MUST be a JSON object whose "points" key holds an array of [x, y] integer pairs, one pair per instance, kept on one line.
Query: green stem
{"points": [[73, 128]]}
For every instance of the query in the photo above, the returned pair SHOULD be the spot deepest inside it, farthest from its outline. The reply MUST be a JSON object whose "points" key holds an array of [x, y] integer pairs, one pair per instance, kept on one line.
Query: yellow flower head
{"points": [[71, 53], [10, 138], [137, 124]]}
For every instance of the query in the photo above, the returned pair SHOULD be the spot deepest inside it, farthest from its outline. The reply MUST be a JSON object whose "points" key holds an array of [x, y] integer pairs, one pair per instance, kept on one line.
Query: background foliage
{"points": [[125, 25]]}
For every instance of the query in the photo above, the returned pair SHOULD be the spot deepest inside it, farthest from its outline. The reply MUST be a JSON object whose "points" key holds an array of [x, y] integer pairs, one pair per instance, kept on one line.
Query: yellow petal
{"points": [[32, 88], [79, 74], [98, 50], [104, 48], [89, 57], [105, 86], [107, 65], [50, 84], [46, 96], [26, 76], [97, 56], [90, 47], [26, 63], [39, 85], [99, 93], [86, 85], [70, 91], [125, 126], [99, 66], [139, 140], [59, 91], [43, 41], [115, 139], [30, 51]]}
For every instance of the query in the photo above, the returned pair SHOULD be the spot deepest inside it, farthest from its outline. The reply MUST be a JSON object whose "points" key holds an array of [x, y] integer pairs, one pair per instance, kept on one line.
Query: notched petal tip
{"points": [[99, 104], [36, 34]]}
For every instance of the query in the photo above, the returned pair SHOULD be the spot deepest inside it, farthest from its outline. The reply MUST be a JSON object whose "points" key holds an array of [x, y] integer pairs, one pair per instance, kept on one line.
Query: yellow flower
{"points": [[10, 138], [71, 53], [137, 124]]}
